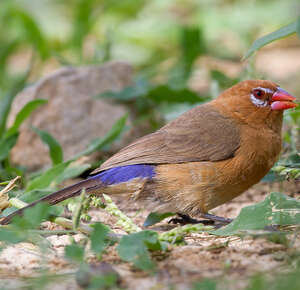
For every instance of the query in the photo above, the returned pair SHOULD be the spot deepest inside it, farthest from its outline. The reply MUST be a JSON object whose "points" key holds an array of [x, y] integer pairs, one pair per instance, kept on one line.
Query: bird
{"points": [[204, 158]]}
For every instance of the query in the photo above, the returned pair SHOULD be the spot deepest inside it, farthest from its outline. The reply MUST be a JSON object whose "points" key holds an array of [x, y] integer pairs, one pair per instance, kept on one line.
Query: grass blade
{"points": [[280, 33], [111, 136], [55, 150], [23, 115], [6, 103], [44, 180], [32, 31], [6, 145]]}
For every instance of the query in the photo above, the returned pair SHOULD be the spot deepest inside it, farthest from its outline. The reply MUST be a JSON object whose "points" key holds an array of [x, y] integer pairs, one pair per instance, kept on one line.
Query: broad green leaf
{"points": [[165, 93], [32, 31], [24, 114], [6, 145], [32, 216], [298, 27], [105, 281], [155, 217], [55, 150], [74, 253], [280, 33], [111, 136], [276, 209], [134, 248], [99, 238], [10, 236], [206, 284], [44, 180]]}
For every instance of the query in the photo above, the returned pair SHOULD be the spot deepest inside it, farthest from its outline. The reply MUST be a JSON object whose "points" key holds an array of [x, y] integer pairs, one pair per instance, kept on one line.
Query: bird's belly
{"points": [[197, 187]]}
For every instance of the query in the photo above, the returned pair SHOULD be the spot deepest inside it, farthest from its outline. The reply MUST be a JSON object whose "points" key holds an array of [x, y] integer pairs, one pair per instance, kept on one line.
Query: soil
{"points": [[203, 256]]}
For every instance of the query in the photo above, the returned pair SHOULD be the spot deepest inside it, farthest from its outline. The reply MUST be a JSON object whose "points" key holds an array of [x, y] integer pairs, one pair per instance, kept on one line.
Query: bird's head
{"points": [[255, 101]]}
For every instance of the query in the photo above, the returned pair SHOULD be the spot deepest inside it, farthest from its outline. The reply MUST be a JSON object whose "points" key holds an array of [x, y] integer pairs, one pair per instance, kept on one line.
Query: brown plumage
{"points": [[204, 158]]}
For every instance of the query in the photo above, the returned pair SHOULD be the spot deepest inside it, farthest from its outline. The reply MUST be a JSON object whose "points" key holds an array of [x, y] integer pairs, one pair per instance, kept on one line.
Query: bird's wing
{"points": [[201, 134]]}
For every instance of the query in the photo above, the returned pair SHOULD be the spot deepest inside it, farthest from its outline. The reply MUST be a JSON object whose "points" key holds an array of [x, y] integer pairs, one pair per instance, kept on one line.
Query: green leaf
{"points": [[223, 80], [206, 284], [140, 88], [10, 236], [83, 21], [134, 248], [98, 238], [31, 196], [6, 102], [192, 45], [280, 33], [74, 253], [125, 9], [24, 114], [6, 145], [298, 27], [72, 171], [111, 136], [6, 50], [155, 217], [32, 31], [276, 209], [44, 180], [165, 93], [55, 150], [32, 216]]}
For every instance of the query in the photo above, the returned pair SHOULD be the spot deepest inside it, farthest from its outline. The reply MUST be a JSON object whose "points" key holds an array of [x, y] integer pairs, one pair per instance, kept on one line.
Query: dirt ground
{"points": [[204, 256]]}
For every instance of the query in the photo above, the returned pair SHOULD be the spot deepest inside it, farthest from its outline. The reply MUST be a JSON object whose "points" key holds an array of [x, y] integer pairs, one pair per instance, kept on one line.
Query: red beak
{"points": [[282, 100]]}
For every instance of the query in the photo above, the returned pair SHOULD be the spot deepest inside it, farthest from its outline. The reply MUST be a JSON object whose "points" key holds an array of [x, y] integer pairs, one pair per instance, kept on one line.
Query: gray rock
{"points": [[71, 115]]}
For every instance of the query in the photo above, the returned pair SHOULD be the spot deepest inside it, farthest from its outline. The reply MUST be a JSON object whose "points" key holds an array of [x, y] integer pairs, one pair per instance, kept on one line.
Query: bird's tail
{"points": [[90, 185]]}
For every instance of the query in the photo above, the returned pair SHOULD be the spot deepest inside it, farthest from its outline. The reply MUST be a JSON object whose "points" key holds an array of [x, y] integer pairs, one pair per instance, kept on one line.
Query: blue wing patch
{"points": [[125, 173]]}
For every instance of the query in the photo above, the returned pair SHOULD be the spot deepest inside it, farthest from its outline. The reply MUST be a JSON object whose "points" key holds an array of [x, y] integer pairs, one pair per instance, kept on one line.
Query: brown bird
{"points": [[202, 159]]}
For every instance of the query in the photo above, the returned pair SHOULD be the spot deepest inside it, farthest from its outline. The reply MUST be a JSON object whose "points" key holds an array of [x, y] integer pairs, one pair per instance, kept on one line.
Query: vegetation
{"points": [[166, 58]]}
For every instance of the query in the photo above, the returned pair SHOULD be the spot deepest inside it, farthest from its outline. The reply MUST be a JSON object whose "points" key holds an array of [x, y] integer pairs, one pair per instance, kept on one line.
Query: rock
{"points": [[71, 115]]}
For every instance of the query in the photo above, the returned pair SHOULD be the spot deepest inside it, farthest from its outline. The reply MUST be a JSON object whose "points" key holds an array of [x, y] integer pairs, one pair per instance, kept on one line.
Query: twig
{"points": [[4, 202]]}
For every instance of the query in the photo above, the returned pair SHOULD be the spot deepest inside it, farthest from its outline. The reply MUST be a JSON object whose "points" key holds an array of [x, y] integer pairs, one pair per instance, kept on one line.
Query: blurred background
{"points": [[180, 53], [79, 79]]}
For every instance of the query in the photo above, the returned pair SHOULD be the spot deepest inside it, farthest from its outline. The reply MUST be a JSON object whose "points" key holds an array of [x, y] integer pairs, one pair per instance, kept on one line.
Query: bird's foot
{"points": [[184, 219], [210, 219]]}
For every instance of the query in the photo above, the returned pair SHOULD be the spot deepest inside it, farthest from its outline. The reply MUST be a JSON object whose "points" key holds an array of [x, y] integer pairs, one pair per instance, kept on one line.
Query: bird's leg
{"points": [[184, 219]]}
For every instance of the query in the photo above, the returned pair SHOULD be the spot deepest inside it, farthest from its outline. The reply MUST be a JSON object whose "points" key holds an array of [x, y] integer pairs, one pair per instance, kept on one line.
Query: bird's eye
{"points": [[258, 93]]}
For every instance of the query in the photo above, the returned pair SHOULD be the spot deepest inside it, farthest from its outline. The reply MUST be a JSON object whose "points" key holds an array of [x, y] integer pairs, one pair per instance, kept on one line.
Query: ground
{"points": [[232, 259]]}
